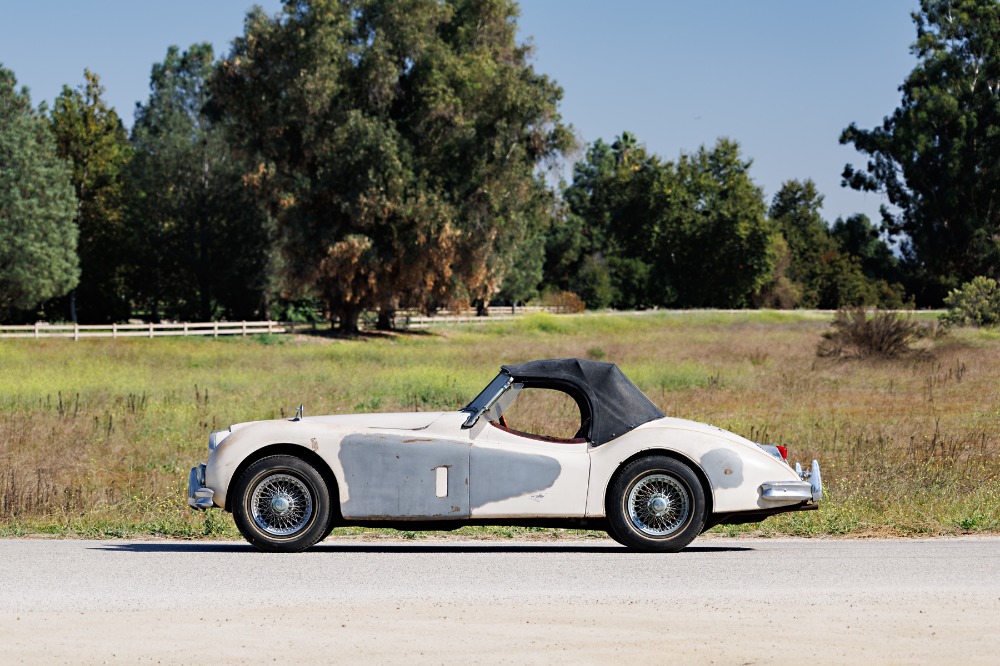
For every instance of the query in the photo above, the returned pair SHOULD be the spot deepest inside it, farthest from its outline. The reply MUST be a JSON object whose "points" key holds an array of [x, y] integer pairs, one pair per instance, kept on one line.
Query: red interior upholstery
{"points": [[540, 438]]}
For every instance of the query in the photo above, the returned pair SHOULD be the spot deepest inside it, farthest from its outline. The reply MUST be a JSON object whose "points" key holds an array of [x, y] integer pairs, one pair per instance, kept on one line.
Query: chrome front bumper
{"points": [[199, 497], [809, 488]]}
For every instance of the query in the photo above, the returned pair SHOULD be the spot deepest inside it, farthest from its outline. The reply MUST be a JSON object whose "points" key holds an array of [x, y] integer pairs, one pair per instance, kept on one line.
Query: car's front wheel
{"points": [[655, 504], [281, 504]]}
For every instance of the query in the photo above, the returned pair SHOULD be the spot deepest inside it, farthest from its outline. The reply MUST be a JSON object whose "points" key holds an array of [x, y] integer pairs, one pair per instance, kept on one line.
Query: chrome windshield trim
{"points": [[487, 398]]}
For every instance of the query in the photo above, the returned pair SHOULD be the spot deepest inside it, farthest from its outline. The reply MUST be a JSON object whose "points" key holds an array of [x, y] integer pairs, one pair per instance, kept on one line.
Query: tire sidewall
{"points": [[620, 524], [308, 535]]}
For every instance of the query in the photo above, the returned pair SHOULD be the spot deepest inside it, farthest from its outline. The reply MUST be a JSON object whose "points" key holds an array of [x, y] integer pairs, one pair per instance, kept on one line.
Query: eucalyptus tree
{"points": [[937, 156], [395, 143]]}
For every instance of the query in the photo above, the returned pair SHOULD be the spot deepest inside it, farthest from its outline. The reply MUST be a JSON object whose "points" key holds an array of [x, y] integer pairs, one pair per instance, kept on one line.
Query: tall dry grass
{"points": [[96, 437]]}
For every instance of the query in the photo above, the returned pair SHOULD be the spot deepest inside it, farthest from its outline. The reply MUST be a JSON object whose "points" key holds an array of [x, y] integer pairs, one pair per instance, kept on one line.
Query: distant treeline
{"points": [[369, 155]]}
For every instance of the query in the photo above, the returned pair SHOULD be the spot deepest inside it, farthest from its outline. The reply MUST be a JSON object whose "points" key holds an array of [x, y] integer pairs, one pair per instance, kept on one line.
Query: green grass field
{"points": [[97, 436]]}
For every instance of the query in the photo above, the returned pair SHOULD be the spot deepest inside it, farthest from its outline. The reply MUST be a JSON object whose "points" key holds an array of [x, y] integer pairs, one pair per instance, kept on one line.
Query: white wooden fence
{"points": [[77, 331]]}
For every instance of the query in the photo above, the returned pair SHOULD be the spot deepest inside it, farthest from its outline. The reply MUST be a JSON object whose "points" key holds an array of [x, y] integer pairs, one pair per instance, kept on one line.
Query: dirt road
{"points": [[720, 601]]}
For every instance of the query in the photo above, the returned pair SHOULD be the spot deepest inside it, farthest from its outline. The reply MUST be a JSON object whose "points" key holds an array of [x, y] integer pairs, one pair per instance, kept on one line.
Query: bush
{"points": [[976, 303], [854, 334], [563, 301]]}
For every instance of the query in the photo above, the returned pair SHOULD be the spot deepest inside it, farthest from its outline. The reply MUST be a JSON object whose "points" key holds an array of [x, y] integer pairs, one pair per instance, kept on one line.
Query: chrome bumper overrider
{"points": [[199, 497], [809, 488]]}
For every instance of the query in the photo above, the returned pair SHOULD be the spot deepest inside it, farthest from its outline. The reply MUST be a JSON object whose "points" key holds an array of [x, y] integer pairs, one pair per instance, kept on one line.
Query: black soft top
{"points": [[614, 403]]}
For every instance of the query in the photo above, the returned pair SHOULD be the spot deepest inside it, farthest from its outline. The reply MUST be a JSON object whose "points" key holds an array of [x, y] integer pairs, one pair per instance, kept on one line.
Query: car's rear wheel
{"points": [[655, 504], [281, 504]]}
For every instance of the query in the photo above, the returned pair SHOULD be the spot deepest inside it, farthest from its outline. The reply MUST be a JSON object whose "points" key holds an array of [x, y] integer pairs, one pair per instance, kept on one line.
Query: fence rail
{"points": [[78, 331]]}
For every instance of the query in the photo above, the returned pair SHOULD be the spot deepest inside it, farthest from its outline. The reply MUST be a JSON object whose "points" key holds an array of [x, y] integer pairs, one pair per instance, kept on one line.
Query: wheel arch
{"points": [[297, 451], [679, 457]]}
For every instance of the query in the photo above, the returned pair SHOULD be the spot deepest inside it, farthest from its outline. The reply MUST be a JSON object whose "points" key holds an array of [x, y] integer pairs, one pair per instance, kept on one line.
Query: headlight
{"points": [[215, 438]]}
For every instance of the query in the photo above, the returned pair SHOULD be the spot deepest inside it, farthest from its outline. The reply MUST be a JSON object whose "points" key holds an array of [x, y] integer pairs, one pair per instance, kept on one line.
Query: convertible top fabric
{"points": [[616, 405]]}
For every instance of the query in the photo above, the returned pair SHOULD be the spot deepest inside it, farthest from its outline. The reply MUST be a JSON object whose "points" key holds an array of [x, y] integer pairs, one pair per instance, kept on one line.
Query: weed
{"points": [[853, 333]]}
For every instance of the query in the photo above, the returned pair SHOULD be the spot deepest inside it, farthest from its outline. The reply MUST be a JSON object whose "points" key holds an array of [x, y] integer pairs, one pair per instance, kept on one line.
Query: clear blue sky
{"points": [[782, 77]]}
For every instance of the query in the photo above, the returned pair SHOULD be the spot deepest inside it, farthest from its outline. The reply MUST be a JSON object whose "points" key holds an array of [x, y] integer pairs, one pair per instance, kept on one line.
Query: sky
{"points": [[781, 77]]}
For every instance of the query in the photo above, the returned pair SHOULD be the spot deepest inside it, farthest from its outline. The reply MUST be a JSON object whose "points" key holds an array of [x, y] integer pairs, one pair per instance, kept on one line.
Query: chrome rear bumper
{"points": [[809, 488], [199, 496]]}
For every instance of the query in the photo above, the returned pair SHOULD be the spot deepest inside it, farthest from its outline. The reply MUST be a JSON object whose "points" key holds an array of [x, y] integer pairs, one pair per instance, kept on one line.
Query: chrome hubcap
{"points": [[658, 505], [281, 504]]}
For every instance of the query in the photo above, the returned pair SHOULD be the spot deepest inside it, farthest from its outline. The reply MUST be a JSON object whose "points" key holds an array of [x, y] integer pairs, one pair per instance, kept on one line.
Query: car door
{"points": [[512, 476], [403, 475]]}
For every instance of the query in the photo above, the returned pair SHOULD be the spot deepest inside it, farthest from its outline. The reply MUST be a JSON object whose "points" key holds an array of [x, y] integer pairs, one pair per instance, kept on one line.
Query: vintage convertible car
{"points": [[652, 482]]}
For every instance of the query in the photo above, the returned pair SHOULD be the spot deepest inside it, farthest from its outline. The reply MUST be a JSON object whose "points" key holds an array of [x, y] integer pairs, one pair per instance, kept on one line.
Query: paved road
{"points": [[719, 601]]}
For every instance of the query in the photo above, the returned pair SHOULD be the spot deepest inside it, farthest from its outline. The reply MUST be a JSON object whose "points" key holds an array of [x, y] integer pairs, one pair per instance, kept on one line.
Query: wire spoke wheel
{"points": [[281, 504], [655, 504], [658, 505]]}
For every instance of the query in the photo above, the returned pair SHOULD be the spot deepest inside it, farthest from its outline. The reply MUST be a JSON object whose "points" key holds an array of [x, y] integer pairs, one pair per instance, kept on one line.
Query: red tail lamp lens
{"points": [[783, 450]]}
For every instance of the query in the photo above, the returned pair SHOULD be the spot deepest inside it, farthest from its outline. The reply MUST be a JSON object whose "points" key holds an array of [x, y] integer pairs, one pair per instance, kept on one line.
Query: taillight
{"points": [[783, 450]]}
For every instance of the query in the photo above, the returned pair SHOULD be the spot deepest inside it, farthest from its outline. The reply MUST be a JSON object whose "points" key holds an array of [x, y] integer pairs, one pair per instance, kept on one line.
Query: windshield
{"points": [[492, 400]]}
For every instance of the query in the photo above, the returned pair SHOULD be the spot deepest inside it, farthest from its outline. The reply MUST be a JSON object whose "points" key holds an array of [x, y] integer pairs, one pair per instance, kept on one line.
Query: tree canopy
{"points": [[91, 137], [200, 243], [394, 142], [937, 156], [38, 257]]}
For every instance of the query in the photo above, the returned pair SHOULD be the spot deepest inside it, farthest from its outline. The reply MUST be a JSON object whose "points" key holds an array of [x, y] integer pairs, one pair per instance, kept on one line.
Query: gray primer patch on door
{"points": [[500, 475], [394, 476]]}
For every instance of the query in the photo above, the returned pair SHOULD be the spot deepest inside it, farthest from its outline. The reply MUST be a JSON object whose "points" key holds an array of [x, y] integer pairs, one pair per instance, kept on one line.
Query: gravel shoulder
{"points": [[719, 601]]}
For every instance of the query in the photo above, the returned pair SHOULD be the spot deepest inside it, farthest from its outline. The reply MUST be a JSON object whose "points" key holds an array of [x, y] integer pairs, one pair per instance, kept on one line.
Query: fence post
{"points": [[76, 332], [185, 329], [215, 329], [151, 329], [270, 325], [36, 330], [114, 330], [244, 328]]}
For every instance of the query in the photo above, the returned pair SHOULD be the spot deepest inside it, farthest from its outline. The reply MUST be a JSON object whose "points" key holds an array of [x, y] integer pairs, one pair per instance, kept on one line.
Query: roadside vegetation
{"points": [[97, 436]]}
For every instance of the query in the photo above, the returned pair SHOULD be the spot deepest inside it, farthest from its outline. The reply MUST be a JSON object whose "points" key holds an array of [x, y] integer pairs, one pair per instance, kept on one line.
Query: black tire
{"points": [[281, 504], [655, 504]]}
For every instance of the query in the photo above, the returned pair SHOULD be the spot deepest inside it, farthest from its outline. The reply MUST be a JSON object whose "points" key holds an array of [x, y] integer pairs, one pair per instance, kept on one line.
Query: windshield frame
{"points": [[489, 401]]}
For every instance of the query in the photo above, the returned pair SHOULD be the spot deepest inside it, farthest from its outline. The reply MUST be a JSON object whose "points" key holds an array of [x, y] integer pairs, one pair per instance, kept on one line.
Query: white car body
{"points": [[444, 469]]}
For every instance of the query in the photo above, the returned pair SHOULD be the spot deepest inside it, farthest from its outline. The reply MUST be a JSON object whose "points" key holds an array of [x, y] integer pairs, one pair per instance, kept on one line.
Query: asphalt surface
{"points": [[718, 601]]}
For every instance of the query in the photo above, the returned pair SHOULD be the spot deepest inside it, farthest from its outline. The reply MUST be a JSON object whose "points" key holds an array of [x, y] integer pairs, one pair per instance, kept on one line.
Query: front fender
{"points": [[245, 442]]}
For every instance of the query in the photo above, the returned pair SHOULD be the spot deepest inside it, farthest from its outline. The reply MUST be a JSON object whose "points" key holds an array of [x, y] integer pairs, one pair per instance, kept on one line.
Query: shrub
{"points": [[976, 303], [854, 334], [563, 301]]}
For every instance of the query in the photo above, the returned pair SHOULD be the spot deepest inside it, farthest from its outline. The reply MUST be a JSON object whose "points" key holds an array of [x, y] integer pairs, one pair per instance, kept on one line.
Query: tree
{"points": [[643, 232], [937, 157], [714, 244], [603, 248], [90, 136], [395, 143], [200, 242], [38, 257], [831, 269]]}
